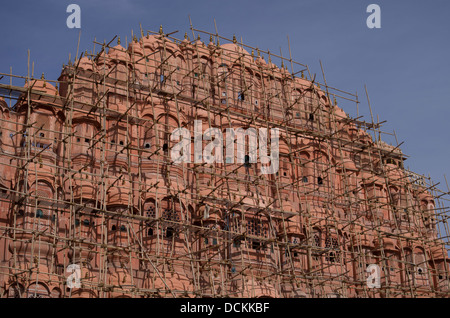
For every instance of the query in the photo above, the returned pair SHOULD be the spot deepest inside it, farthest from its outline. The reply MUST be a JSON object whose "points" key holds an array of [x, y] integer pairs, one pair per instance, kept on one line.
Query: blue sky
{"points": [[405, 64]]}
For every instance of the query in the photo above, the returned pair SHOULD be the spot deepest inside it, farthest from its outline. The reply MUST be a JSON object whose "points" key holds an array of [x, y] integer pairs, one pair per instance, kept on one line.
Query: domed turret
{"points": [[42, 85], [118, 52]]}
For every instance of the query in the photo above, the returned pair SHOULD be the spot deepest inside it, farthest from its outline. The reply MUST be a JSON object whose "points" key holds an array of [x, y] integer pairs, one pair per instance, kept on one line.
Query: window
{"points": [[305, 179], [256, 245], [319, 180], [39, 213], [170, 232], [316, 240], [332, 243], [241, 96], [311, 117], [247, 161]]}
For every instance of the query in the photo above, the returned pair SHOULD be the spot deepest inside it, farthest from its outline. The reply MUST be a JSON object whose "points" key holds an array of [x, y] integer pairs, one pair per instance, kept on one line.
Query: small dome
{"points": [[340, 114], [364, 136], [135, 47], [86, 64], [260, 61], [302, 83], [42, 85], [118, 52], [150, 41], [235, 51]]}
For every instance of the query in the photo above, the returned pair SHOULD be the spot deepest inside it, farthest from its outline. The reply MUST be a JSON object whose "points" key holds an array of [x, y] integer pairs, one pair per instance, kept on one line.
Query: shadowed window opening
{"points": [[39, 213], [247, 161], [170, 232]]}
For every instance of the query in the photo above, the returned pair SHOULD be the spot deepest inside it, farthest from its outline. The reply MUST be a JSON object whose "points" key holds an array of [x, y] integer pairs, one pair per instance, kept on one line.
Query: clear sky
{"points": [[405, 64]]}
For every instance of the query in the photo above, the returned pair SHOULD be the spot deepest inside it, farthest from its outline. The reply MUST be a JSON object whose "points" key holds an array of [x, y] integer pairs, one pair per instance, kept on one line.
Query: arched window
{"points": [[37, 290], [118, 232], [150, 212], [257, 93], [317, 244], [42, 214], [222, 71], [42, 136], [306, 169], [171, 216], [332, 245], [257, 226], [234, 225], [409, 266], [147, 137], [421, 267], [321, 170], [16, 291], [118, 138]]}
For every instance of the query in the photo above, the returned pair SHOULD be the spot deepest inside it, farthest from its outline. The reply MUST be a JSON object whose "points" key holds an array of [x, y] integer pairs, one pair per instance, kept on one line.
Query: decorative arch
{"points": [[38, 290]]}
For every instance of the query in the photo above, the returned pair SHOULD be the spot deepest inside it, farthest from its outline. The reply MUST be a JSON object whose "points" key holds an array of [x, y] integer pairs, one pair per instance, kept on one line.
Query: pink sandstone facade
{"points": [[87, 179]]}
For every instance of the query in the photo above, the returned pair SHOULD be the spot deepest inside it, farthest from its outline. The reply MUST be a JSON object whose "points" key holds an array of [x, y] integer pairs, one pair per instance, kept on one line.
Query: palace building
{"points": [[92, 204]]}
